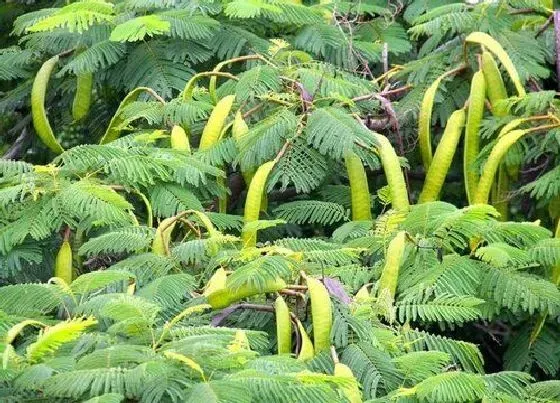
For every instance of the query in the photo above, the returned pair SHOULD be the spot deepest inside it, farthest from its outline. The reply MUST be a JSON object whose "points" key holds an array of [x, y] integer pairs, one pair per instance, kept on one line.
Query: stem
{"points": [[189, 88]]}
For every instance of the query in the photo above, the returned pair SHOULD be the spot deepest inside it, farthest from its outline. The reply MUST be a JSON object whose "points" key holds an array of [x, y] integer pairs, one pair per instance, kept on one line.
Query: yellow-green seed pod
{"points": [[393, 173], [283, 326], [180, 139], [82, 99], [238, 131], [213, 130], [502, 188], [359, 189], [351, 391], [63, 262], [160, 244], [38, 112], [495, 88], [393, 259], [216, 282], [472, 136], [493, 162], [443, 157], [225, 297], [493, 46], [254, 198], [321, 312], [307, 351]]}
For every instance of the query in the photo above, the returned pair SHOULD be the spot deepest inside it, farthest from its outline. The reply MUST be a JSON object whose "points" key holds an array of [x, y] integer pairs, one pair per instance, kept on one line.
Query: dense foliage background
{"points": [[279, 201]]}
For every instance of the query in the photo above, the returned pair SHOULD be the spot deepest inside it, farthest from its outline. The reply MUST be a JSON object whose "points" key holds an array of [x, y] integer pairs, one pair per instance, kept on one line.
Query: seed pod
{"points": [[502, 187], [63, 262], [82, 99], [283, 326], [38, 113], [160, 244], [253, 202], [238, 131], [361, 200], [321, 311], [472, 136], [213, 130], [393, 259], [351, 391], [216, 282], [225, 297], [495, 88], [307, 351], [443, 157], [497, 49], [393, 173], [493, 162], [179, 139], [114, 129]]}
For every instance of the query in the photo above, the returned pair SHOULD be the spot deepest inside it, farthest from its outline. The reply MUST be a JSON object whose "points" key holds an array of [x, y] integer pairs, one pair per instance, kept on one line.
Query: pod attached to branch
{"points": [[359, 189], [82, 99]]}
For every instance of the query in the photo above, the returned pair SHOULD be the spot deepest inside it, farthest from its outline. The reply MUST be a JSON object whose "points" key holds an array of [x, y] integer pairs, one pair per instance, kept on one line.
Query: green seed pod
{"points": [[493, 46], [307, 351], [359, 189], [393, 173], [472, 135], [443, 157], [493, 162], [160, 244], [82, 99], [495, 88], [179, 139], [38, 112], [216, 282], [213, 130], [283, 326], [351, 391], [238, 131], [322, 315], [224, 297], [63, 262], [393, 259], [257, 189]]}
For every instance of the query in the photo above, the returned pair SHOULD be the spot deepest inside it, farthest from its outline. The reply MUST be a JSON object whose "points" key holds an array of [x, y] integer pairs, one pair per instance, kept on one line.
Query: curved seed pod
{"points": [[63, 262], [495, 88], [213, 129], [443, 157], [472, 136], [225, 297], [253, 202], [114, 129], [425, 120], [307, 352], [393, 257], [160, 244], [283, 326], [393, 173], [179, 139], [361, 201], [238, 130], [502, 187], [321, 312], [494, 46], [216, 282], [82, 99], [493, 162], [38, 113], [352, 391]]}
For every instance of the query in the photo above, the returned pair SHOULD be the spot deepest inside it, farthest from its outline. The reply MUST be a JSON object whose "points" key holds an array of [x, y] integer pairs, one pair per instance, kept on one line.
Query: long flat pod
{"points": [[38, 112], [82, 98], [493, 162], [472, 136], [393, 173], [495, 88], [257, 189], [494, 46], [212, 131], [393, 259], [321, 313], [443, 157], [283, 326], [63, 262], [114, 130], [359, 189], [425, 119]]}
